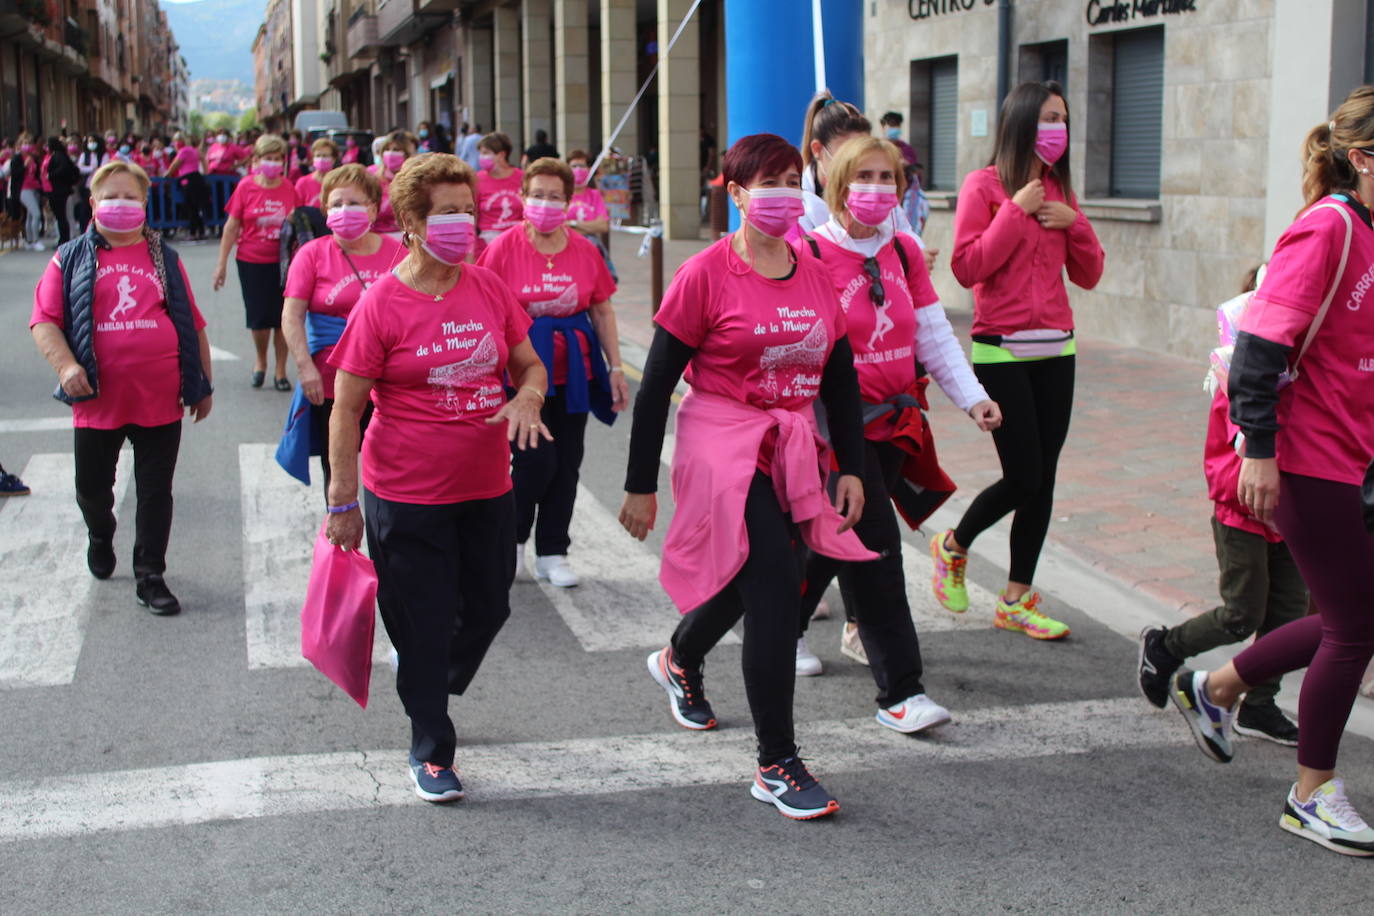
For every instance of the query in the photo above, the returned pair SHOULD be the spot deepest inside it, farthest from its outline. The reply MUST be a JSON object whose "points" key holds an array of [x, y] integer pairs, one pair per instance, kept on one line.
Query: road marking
{"points": [[619, 604], [281, 517], [37, 425], [221, 356], [346, 781], [46, 591]]}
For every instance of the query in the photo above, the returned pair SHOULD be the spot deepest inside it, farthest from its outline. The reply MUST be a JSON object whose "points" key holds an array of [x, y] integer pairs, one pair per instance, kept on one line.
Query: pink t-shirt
{"points": [[135, 342], [321, 276], [386, 216], [308, 191], [1326, 417], [499, 204], [577, 281], [32, 181], [764, 342], [222, 159], [186, 160], [438, 369], [588, 204], [1221, 466], [261, 211]]}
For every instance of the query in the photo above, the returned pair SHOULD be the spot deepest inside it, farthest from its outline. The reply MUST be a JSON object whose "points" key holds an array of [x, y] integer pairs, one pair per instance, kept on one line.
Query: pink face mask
{"points": [[269, 168], [349, 222], [774, 211], [545, 215], [119, 215], [323, 163], [448, 237], [485, 163], [581, 175], [871, 204], [1051, 140], [393, 159]]}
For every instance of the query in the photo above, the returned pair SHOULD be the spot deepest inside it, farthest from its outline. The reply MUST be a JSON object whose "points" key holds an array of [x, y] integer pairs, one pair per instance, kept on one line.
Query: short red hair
{"points": [[759, 156]]}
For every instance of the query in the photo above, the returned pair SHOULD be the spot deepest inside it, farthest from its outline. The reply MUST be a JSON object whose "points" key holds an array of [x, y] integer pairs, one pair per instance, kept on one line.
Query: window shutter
{"points": [[944, 124], [1137, 113]]}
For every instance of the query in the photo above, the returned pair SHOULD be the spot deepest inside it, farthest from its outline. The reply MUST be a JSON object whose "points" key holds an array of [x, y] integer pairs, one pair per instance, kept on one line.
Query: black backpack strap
{"points": [[901, 255], [815, 249]]}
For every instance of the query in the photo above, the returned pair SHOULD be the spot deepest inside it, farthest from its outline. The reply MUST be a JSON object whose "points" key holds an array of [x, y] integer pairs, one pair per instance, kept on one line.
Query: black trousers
{"points": [[443, 587], [876, 591], [545, 478], [57, 202], [320, 418], [155, 462], [765, 593], [1037, 400]]}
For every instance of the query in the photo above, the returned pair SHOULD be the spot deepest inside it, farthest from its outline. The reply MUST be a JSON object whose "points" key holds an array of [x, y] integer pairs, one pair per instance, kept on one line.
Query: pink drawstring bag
{"points": [[339, 617]]}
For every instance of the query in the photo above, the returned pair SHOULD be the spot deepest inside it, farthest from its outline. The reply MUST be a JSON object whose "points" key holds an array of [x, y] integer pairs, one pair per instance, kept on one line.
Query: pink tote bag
{"points": [[339, 617]]}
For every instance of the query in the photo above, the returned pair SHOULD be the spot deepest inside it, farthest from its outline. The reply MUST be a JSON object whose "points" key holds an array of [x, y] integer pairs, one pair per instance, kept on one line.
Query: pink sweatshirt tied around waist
{"points": [[718, 441]]}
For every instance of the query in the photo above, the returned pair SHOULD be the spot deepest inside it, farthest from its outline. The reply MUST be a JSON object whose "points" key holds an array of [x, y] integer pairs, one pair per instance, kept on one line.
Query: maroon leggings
{"points": [[1323, 524]]}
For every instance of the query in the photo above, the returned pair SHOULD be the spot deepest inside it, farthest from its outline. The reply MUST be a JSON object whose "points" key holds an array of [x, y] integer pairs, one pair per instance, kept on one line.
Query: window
{"points": [[1047, 61], [942, 166], [1137, 112]]}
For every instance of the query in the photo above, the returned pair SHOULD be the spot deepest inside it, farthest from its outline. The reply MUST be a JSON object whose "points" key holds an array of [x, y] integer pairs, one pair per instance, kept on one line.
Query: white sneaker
{"points": [[38, 246], [395, 660], [519, 559], [556, 570], [808, 665], [851, 645], [914, 714], [822, 611]]}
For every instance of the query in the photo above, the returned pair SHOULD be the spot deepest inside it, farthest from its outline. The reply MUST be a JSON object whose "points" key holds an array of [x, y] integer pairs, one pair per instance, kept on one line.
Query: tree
{"points": [[195, 123], [219, 120], [249, 119]]}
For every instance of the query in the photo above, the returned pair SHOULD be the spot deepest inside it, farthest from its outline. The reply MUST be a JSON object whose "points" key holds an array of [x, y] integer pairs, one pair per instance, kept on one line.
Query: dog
{"points": [[11, 232]]}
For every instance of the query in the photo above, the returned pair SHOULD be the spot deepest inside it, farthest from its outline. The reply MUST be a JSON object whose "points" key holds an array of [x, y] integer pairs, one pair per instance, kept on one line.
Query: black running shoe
{"points": [[1266, 721], [788, 786], [100, 558], [154, 594], [1156, 666], [687, 699]]}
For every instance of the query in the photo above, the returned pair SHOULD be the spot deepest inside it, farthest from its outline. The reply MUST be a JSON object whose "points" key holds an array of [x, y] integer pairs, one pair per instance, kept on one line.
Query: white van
{"points": [[313, 123]]}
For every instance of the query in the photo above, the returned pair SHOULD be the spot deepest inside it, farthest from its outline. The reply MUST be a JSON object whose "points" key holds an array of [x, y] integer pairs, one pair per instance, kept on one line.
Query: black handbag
{"points": [[1367, 498]]}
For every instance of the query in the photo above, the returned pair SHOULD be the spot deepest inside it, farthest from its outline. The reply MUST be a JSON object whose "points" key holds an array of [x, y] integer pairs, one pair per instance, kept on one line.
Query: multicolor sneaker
{"points": [[1023, 616], [790, 787], [914, 714], [1328, 819], [1210, 724], [686, 696], [948, 579], [434, 783]]}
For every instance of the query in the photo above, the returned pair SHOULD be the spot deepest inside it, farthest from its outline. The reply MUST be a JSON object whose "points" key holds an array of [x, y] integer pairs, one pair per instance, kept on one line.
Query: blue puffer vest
{"points": [[79, 259]]}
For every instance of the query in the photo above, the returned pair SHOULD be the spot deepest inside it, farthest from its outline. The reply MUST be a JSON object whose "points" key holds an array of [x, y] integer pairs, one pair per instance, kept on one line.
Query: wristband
{"points": [[619, 369], [339, 510]]}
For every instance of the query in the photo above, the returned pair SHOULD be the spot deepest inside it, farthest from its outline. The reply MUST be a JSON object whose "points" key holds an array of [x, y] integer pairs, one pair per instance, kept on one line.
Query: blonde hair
{"points": [[325, 146], [355, 175], [1326, 162], [840, 173], [269, 145], [411, 188], [119, 167], [548, 165]]}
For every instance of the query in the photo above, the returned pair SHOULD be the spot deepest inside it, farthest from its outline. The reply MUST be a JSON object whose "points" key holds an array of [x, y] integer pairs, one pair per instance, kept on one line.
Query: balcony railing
{"points": [[362, 37]]}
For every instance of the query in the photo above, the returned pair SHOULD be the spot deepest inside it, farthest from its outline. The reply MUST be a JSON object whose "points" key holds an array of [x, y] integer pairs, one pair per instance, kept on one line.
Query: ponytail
{"points": [[828, 118], [1326, 163]]}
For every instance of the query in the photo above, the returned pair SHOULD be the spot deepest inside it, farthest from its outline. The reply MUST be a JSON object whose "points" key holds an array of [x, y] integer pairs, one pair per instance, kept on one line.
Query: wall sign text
{"points": [[1105, 12], [924, 9]]}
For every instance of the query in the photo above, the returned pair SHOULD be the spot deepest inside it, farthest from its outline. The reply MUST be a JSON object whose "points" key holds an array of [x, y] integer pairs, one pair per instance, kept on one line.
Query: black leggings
{"points": [[57, 202], [545, 479], [319, 416], [765, 594], [1036, 399], [876, 591], [155, 463]]}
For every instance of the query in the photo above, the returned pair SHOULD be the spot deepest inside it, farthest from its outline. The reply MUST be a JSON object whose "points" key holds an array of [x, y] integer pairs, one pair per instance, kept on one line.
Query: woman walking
{"points": [[324, 155], [62, 177], [395, 151], [885, 291], [257, 209], [120, 294], [562, 282], [1017, 230], [24, 174], [441, 532], [499, 204], [1309, 438], [761, 336]]}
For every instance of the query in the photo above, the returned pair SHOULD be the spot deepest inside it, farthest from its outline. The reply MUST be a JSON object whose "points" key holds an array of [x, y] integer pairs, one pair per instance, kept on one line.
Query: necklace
{"points": [[415, 282]]}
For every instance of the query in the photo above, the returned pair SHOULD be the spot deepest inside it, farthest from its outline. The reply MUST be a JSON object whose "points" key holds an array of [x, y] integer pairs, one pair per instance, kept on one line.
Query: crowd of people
{"points": [[460, 305]]}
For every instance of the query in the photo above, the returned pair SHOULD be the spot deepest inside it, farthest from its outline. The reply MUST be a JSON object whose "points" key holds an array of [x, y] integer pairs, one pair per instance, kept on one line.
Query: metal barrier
{"points": [[168, 207]]}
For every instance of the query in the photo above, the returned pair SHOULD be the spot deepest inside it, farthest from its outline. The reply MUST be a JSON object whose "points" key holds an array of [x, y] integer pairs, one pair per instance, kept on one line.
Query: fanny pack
{"points": [[1029, 344]]}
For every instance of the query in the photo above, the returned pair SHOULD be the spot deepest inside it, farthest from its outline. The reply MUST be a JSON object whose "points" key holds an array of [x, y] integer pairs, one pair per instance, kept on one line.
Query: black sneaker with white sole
{"points": [[789, 786], [686, 694], [1267, 721], [1157, 664]]}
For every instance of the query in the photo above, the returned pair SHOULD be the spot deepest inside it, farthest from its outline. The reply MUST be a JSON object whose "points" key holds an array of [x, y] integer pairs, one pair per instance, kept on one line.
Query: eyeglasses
{"points": [[875, 282]]}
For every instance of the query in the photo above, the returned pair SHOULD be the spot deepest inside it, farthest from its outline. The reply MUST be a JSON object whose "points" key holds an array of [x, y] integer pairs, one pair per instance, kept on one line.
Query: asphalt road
{"points": [[194, 764]]}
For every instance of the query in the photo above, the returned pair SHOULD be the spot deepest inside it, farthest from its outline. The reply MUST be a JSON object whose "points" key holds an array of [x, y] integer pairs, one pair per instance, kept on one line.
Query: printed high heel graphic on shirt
{"points": [[805, 356], [564, 304], [451, 383]]}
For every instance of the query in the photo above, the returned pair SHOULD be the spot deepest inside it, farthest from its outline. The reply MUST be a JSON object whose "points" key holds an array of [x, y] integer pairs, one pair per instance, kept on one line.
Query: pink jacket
{"points": [[1014, 265], [1221, 465], [717, 452]]}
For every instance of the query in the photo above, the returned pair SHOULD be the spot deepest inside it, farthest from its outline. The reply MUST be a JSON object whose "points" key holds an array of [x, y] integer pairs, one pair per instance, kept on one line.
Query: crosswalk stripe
{"points": [[37, 425], [280, 520], [619, 604], [292, 785], [221, 356], [46, 591]]}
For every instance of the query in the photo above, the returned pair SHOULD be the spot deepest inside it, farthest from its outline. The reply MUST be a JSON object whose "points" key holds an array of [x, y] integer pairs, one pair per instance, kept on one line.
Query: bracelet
{"points": [[619, 369], [535, 390], [339, 510]]}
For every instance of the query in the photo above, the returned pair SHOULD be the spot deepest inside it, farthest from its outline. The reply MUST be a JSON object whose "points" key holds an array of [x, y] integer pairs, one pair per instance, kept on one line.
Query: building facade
{"points": [[274, 66], [1187, 118]]}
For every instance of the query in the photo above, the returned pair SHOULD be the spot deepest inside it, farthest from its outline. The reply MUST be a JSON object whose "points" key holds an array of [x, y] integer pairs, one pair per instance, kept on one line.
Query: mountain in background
{"points": [[216, 36]]}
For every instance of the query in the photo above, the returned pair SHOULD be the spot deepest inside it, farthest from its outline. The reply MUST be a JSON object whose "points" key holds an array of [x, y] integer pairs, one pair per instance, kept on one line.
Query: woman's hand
{"points": [[1030, 197], [1259, 488], [201, 409], [930, 254], [987, 415], [345, 529], [620, 391], [311, 383], [1055, 214], [522, 414], [217, 282], [74, 381], [638, 512], [849, 501]]}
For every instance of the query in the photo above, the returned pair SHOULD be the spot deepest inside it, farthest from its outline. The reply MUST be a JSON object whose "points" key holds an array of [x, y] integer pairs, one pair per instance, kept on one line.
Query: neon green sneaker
{"points": [[948, 579], [1023, 616]]}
